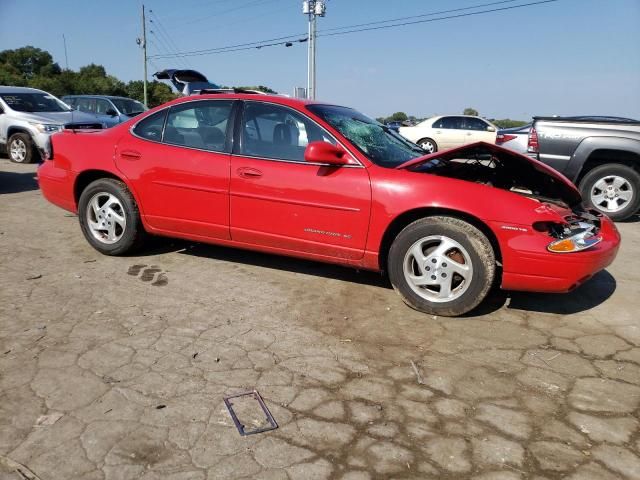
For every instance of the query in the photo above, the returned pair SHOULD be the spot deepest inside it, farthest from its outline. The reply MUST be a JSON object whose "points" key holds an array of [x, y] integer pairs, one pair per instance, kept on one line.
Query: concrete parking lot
{"points": [[116, 368]]}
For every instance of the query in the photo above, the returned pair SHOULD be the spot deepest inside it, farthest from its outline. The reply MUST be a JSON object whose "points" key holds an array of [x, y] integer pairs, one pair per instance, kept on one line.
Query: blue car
{"points": [[108, 109]]}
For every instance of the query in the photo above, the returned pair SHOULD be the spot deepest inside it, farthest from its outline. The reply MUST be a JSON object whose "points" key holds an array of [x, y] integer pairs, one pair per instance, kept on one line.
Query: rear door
{"points": [[280, 201], [178, 163], [448, 132]]}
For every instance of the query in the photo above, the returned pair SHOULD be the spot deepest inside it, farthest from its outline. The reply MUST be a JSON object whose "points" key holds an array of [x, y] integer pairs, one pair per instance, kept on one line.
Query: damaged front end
{"points": [[498, 167], [570, 227]]}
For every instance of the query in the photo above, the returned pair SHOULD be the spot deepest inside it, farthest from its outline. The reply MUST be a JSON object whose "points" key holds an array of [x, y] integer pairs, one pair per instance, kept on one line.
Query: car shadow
{"points": [[12, 182], [160, 245], [589, 295]]}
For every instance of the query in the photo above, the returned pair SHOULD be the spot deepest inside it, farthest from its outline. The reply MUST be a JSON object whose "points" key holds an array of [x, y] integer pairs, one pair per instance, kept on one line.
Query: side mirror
{"points": [[323, 152], [491, 129], [111, 112]]}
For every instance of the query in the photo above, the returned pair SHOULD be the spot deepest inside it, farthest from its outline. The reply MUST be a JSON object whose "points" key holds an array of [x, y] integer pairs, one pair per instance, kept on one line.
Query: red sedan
{"points": [[327, 183]]}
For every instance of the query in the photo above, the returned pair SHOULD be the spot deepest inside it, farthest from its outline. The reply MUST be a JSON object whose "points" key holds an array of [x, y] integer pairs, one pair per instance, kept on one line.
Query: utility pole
{"points": [[66, 58], [143, 43], [313, 9]]}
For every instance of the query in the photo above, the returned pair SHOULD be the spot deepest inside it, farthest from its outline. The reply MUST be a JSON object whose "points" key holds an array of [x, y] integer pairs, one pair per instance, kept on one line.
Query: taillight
{"points": [[532, 144], [504, 138]]}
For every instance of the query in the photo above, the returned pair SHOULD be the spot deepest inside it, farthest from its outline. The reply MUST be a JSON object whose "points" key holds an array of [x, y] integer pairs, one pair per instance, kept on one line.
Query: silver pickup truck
{"points": [[601, 155]]}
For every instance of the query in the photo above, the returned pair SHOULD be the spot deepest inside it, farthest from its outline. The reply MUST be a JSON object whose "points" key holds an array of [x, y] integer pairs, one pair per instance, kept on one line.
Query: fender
{"points": [[590, 145]]}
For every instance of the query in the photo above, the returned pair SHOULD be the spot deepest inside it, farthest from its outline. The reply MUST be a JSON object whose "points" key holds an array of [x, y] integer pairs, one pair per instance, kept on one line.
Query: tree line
{"points": [[32, 67]]}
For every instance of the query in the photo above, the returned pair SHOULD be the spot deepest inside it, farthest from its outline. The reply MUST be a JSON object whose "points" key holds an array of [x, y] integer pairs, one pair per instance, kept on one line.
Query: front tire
{"points": [[442, 266], [109, 217], [428, 145], [20, 148], [613, 189]]}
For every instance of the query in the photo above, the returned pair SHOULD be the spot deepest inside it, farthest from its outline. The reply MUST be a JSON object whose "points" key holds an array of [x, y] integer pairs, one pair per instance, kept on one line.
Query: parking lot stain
{"points": [[151, 273]]}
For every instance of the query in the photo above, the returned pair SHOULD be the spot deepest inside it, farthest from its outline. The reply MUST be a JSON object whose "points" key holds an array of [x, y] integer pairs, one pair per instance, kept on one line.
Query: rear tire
{"points": [[442, 266], [613, 189], [20, 148], [428, 145], [109, 217]]}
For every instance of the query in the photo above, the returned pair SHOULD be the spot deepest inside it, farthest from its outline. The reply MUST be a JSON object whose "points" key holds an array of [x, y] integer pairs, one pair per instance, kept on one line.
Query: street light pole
{"points": [[313, 9]]}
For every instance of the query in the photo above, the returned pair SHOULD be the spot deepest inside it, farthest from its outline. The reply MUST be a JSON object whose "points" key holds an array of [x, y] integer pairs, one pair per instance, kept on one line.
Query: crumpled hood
{"points": [[60, 118], [562, 186]]}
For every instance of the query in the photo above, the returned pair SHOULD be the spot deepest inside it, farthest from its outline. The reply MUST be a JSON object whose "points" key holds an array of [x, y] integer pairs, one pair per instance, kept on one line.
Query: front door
{"points": [[476, 130], [280, 201], [177, 161]]}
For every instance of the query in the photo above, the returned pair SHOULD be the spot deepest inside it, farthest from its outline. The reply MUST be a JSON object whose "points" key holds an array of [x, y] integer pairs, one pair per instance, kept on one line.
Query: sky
{"points": [[567, 57]]}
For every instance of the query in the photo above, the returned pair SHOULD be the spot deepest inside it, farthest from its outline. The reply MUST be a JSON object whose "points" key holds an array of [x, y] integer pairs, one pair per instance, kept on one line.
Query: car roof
{"points": [[278, 99], [98, 96], [9, 89]]}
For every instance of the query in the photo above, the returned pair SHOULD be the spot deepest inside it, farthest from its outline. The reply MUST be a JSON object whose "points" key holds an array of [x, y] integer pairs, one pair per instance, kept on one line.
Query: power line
{"points": [[173, 46], [469, 14], [290, 38], [431, 14]]}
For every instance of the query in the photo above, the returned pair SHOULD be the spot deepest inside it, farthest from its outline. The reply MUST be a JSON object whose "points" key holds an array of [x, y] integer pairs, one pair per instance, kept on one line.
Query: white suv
{"points": [[444, 132], [28, 118]]}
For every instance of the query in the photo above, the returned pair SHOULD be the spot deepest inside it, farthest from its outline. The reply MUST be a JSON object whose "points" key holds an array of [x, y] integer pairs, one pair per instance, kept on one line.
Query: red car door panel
{"points": [[291, 204], [184, 188], [303, 207]]}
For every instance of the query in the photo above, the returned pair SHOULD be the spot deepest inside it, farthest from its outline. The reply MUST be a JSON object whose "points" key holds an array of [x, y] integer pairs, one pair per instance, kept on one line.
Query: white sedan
{"points": [[443, 132]]}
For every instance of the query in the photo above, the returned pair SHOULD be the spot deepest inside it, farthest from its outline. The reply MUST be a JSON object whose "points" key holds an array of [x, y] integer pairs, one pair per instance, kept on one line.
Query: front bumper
{"points": [[543, 271]]}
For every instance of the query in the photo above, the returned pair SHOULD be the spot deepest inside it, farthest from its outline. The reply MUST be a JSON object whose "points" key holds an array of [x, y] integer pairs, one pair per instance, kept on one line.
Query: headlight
{"points": [[47, 127], [575, 243]]}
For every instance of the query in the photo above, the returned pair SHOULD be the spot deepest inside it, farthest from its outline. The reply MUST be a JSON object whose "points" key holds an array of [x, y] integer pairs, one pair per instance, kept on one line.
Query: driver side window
{"points": [[279, 133]]}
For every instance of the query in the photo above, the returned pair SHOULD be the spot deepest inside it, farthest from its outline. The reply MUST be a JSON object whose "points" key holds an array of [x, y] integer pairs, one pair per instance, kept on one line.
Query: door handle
{"points": [[248, 172], [469, 133], [130, 155]]}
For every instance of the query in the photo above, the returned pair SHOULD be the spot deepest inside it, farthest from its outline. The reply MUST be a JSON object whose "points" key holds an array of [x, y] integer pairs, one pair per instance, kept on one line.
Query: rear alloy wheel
{"points": [[20, 148], [428, 145], [109, 217], [613, 189], [442, 266]]}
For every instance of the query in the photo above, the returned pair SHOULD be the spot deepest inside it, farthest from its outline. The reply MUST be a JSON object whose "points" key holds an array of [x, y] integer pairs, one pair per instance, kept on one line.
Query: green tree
{"points": [[157, 92], [508, 123], [398, 117], [28, 62], [470, 111]]}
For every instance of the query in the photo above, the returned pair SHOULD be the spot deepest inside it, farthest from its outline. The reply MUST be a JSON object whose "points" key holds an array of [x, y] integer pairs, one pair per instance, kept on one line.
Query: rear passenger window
{"points": [[151, 127], [200, 125]]}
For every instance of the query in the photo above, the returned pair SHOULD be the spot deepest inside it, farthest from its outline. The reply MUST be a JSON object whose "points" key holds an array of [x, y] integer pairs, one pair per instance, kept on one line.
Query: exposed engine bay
{"points": [[491, 169]]}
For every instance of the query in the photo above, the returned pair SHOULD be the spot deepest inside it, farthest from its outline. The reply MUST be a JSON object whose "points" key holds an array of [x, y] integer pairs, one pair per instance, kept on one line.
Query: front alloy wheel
{"points": [[441, 265], [428, 145], [20, 148]]}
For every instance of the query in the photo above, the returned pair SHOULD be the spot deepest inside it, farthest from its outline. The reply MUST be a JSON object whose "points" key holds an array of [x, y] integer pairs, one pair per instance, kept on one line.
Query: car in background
{"points": [[325, 182], [515, 138], [109, 109], [450, 131], [395, 125], [28, 118]]}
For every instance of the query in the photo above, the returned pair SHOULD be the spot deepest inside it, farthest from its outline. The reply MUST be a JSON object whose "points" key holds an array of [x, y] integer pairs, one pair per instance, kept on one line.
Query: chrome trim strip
{"points": [[294, 202], [190, 187]]}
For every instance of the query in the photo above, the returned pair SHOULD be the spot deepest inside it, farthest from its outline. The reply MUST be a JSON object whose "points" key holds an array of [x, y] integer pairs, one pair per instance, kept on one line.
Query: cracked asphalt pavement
{"points": [[116, 368]]}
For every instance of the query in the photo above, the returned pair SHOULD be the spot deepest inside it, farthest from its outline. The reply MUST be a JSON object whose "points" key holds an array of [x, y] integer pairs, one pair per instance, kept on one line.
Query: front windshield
{"points": [[128, 106], [379, 143], [34, 102]]}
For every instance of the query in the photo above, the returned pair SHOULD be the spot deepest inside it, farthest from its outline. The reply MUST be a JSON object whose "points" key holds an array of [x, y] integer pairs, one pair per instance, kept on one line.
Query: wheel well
{"points": [[602, 156], [401, 221], [88, 176], [13, 130]]}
